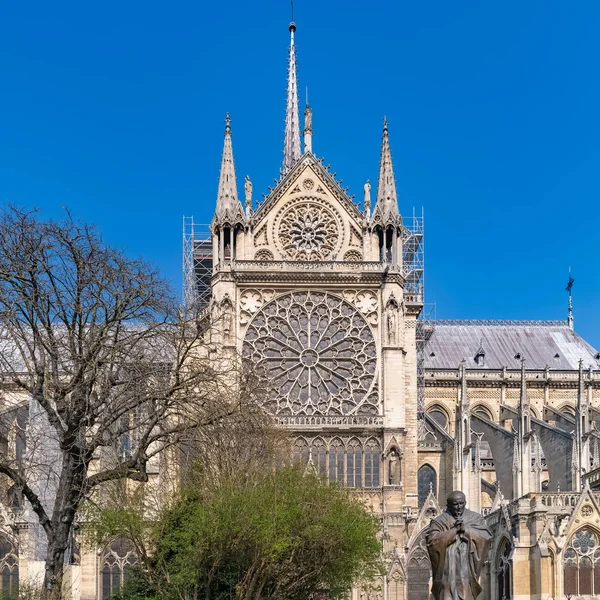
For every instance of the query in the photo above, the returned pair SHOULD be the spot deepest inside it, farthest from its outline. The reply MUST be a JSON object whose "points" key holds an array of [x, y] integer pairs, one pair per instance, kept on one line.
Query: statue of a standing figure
{"points": [[394, 477], [367, 191], [248, 193], [457, 542]]}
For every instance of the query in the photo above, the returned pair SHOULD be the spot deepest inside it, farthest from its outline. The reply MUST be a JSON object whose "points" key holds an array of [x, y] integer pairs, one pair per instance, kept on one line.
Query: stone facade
{"points": [[313, 292]]}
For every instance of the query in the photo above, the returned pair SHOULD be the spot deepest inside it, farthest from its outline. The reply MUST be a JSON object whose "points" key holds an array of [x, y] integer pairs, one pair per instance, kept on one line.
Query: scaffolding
{"points": [[413, 259], [197, 264]]}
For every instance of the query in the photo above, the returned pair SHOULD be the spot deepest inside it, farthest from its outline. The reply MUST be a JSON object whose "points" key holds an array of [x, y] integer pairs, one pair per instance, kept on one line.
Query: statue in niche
{"points": [[248, 192], [394, 470], [391, 321], [227, 309], [457, 543]]}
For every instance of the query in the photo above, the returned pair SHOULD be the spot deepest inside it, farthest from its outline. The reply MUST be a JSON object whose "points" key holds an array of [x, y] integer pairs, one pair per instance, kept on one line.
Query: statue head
{"points": [[456, 503]]}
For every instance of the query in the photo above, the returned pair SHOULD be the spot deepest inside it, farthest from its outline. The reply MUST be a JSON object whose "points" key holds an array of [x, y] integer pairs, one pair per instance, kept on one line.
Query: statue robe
{"points": [[456, 561]]}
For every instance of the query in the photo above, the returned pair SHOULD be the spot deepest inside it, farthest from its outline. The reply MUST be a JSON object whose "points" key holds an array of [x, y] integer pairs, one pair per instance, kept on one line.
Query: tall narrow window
{"points": [[319, 456], [372, 464], [300, 452], [336, 461], [9, 569], [117, 566], [427, 480], [354, 463], [504, 572]]}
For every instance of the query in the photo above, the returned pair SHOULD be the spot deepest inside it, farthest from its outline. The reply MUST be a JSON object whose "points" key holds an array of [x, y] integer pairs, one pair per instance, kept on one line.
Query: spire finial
{"points": [[569, 289], [387, 200], [291, 145], [227, 198]]}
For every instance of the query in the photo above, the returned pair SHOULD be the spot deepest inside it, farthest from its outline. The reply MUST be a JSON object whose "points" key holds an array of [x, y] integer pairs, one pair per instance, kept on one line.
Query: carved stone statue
{"points": [[457, 542], [395, 474], [391, 323], [367, 190], [308, 119], [248, 192]]}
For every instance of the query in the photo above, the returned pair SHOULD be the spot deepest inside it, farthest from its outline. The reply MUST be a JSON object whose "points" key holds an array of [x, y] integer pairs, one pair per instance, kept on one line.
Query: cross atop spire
{"points": [[387, 199], [227, 197], [291, 144]]}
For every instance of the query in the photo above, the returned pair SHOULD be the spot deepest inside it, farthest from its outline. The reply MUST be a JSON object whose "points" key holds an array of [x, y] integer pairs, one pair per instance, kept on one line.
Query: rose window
{"points": [[316, 355], [308, 232]]}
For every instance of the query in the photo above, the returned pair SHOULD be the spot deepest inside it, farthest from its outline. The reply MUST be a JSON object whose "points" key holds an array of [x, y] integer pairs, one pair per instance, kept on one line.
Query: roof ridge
{"points": [[500, 322]]}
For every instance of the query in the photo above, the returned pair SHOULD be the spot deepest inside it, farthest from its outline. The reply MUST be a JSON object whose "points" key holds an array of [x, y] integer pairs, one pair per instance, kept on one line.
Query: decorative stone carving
{"points": [[308, 184], [248, 192], [316, 353], [353, 256], [227, 316], [263, 254], [308, 231], [250, 302], [366, 301]]}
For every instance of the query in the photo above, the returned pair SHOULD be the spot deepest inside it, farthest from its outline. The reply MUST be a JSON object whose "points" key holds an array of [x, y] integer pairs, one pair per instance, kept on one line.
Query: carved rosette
{"points": [[316, 354], [308, 230], [365, 301], [251, 301]]}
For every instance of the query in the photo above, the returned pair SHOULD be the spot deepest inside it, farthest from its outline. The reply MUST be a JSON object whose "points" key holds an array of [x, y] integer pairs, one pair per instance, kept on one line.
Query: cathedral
{"points": [[323, 299]]}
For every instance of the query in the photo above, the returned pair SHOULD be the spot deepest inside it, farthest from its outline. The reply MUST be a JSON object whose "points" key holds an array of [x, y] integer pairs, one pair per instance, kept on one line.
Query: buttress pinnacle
{"points": [[228, 204], [387, 200]]}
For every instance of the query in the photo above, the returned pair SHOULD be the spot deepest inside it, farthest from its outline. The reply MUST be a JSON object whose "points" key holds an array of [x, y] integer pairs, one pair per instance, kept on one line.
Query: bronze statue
{"points": [[457, 543]]}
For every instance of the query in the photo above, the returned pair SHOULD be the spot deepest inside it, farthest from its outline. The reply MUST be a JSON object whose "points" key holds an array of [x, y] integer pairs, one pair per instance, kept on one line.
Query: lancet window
{"points": [[352, 462], [427, 481], [118, 562], [582, 564], [419, 570], [9, 569]]}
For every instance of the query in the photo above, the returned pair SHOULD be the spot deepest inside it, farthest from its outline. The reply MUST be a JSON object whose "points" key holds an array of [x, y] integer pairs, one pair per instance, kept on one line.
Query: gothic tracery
{"points": [[317, 354], [308, 231]]}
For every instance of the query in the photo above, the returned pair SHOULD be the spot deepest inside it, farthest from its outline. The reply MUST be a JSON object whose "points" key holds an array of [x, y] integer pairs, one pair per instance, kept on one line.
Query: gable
{"points": [[308, 217]]}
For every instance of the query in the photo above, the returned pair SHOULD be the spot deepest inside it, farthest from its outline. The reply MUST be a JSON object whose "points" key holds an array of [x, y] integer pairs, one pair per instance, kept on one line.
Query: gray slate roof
{"points": [[541, 343]]}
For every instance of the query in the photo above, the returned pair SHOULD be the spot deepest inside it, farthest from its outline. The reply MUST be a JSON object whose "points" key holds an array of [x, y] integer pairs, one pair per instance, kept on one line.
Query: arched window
{"points": [[117, 565], [504, 572], [9, 569], [582, 564], [419, 571], [396, 586], [426, 479], [439, 416], [300, 452], [484, 412], [372, 463], [319, 456], [336, 461], [354, 464]]}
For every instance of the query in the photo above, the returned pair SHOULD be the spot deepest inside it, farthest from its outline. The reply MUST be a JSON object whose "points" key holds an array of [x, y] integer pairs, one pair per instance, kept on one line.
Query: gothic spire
{"points": [[291, 144], [228, 204], [387, 200]]}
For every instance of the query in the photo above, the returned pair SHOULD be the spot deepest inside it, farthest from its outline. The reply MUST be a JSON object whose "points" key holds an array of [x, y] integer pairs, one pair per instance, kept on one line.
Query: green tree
{"points": [[279, 534]]}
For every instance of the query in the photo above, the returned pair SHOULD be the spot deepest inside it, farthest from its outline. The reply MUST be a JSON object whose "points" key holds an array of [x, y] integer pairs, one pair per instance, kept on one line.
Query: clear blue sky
{"points": [[115, 109]]}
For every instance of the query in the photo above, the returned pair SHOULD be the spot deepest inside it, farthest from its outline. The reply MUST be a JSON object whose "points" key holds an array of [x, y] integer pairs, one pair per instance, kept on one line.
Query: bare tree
{"points": [[92, 344]]}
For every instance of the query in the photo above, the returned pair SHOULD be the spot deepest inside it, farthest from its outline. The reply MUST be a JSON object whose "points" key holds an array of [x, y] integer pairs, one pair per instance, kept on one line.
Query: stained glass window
{"points": [[316, 355], [582, 564], [117, 566]]}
